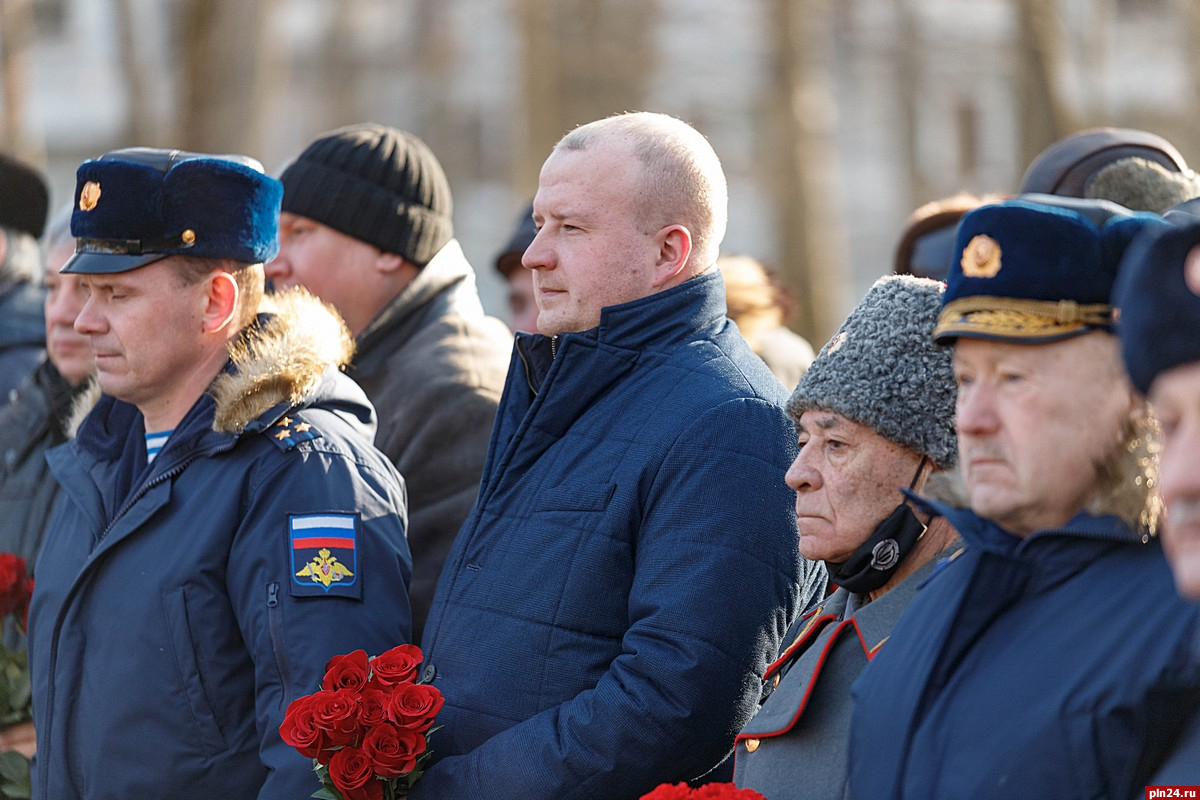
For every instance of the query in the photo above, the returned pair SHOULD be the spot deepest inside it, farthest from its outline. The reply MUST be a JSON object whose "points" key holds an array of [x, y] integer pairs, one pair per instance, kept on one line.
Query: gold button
{"points": [[751, 745], [188, 236]]}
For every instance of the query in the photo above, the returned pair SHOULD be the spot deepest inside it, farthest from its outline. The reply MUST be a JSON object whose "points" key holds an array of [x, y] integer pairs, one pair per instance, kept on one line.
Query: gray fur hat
{"points": [[883, 370]]}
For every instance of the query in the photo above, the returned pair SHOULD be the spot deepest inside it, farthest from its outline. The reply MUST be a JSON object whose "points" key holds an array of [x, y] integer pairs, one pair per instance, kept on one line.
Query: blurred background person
{"points": [[1133, 168], [36, 416], [24, 201], [522, 307], [760, 306], [926, 244], [865, 435], [366, 226], [1158, 293]]}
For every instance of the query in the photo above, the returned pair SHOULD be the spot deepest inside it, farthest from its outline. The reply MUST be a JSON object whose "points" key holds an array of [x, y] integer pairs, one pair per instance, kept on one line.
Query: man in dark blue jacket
{"points": [[1053, 657], [1158, 293], [225, 527], [632, 560]]}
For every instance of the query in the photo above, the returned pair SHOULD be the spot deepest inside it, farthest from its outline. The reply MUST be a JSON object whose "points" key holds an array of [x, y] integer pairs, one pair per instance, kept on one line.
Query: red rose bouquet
{"points": [[17, 740], [367, 728], [709, 791]]}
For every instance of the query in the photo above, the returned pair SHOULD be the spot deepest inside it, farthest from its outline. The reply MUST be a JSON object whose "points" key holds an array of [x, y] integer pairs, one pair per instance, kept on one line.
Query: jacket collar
{"points": [[652, 322], [448, 268], [987, 535], [667, 317]]}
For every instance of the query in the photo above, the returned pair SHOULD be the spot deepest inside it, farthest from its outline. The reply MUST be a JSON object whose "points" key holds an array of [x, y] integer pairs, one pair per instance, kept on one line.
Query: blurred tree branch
{"points": [[805, 184]]}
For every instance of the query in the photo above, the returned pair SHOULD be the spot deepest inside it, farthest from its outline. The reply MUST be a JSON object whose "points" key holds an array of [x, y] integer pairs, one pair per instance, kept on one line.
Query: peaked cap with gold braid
{"points": [[1036, 269]]}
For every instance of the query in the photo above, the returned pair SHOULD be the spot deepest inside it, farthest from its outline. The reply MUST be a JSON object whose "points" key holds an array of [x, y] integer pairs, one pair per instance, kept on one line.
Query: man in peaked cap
{"points": [[225, 528], [1158, 293], [366, 227], [23, 205], [1034, 664]]}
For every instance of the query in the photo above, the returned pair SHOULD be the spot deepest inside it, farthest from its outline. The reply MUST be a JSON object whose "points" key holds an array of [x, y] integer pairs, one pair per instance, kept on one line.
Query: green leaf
{"points": [[15, 782]]}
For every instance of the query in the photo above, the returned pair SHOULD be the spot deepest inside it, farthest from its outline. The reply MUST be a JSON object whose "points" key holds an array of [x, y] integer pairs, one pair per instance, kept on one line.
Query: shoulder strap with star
{"points": [[291, 430]]}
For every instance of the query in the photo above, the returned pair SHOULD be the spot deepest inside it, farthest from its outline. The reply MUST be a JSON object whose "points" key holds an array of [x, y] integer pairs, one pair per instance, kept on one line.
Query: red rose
{"points": [[351, 772], [372, 707], [14, 583], [396, 665], [725, 791], [414, 705], [300, 730], [393, 751], [346, 672], [667, 791], [336, 713]]}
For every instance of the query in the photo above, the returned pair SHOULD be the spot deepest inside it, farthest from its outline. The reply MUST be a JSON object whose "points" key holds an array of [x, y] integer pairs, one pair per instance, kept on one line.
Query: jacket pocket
{"points": [[183, 645]]}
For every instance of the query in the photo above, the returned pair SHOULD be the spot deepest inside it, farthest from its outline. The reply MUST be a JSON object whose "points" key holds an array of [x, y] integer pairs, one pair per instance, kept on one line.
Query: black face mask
{"points": [[875, 561]]}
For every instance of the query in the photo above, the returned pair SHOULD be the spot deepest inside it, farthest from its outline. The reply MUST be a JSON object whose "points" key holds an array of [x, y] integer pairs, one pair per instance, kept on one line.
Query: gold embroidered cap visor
{"points": [[1017, 320]]}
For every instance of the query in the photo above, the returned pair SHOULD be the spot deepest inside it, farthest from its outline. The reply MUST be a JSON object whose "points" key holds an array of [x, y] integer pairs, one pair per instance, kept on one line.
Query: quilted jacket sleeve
{"points": [[718, 580]]}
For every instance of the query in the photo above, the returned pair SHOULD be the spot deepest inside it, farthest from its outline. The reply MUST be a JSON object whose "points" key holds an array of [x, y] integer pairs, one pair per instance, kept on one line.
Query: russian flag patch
{"points": [[325, 555]]}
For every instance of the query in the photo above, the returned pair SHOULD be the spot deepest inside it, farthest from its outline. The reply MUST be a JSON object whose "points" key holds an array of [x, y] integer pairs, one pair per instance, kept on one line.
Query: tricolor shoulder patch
{"points": [[324, 550]]}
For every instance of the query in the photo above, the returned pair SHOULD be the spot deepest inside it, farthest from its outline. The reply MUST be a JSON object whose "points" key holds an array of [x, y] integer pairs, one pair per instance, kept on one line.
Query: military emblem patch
{"points": [[89, 196], [324, 551], [981, 257]]}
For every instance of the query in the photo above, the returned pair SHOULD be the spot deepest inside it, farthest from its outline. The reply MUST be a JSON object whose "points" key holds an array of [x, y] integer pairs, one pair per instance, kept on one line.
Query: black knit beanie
{"points": [[377, 184], [23, 197]]}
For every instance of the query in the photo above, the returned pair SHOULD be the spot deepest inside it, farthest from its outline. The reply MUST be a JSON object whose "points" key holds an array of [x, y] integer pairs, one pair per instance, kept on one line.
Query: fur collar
{"points": [[279, 358]]}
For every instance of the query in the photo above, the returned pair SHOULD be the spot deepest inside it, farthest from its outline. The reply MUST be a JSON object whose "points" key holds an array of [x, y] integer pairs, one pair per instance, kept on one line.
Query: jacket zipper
{"points": [[275, 623], [525, 362]]}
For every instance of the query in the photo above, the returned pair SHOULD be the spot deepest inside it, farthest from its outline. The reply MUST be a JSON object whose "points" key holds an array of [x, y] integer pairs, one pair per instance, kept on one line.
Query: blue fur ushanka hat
{"points": [[138, 205], [1158, 294], [1037, 269]]}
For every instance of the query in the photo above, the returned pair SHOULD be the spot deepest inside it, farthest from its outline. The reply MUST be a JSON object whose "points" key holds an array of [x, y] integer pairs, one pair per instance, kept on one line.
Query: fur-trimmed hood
{"points": [[279, 360]]}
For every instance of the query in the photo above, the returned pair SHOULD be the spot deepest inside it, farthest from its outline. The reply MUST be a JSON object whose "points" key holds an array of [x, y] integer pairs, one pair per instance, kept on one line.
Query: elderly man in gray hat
{"points": [[875, 415]]}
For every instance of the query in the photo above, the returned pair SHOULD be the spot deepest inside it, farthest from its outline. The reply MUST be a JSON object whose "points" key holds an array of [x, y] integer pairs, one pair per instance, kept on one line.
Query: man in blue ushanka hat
{"points": [[224, 526], [1045, 660], [1158, 293]]}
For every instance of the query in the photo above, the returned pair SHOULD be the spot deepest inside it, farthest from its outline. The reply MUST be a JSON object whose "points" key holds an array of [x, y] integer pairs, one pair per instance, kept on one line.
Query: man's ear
{"points": [[220, 302], [399, 273], [389, 262], [674, 248]]}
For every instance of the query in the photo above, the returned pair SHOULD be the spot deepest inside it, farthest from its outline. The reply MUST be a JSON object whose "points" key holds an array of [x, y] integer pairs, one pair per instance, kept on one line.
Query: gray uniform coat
{"points": [[796, 746]]}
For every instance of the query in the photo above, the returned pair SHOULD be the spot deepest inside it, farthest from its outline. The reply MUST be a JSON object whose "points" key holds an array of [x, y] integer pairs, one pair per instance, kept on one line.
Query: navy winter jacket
{"points": [[1059, 665], [631, 563], [181, 606]]}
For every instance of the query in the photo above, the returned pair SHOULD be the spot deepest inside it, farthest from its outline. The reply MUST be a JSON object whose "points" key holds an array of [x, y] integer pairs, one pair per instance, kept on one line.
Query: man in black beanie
{"points": [[23, 205], [365, 226]]}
